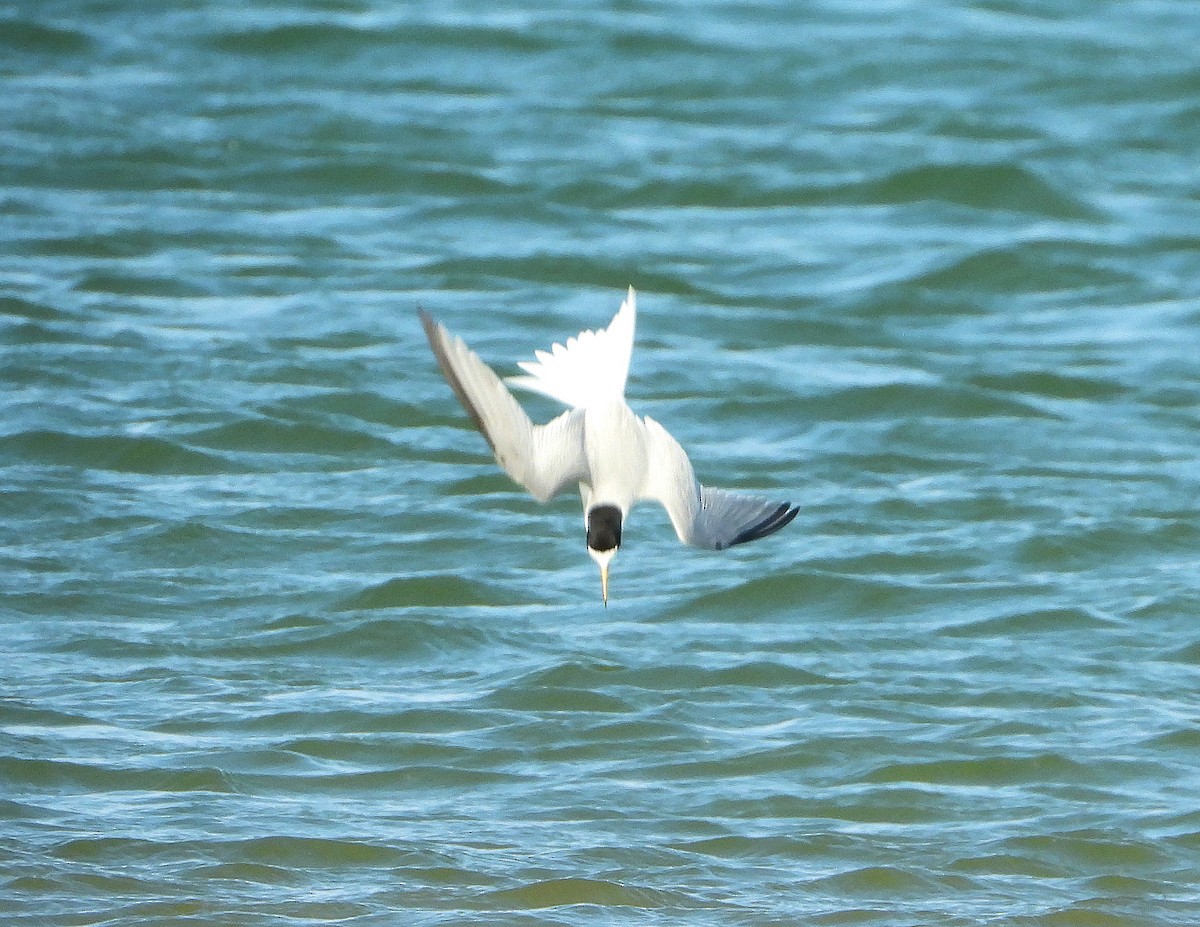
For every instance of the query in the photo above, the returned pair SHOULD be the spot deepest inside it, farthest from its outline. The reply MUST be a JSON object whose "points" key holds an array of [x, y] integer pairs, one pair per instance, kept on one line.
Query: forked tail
{"points": [[590, 369]]}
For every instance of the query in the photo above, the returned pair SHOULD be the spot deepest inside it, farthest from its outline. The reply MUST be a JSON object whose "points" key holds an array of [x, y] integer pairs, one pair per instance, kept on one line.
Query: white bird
{"points": [[614, 456]]}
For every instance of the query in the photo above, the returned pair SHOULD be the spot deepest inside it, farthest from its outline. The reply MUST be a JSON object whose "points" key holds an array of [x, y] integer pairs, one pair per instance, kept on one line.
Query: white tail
{"points": [[590, 369]]}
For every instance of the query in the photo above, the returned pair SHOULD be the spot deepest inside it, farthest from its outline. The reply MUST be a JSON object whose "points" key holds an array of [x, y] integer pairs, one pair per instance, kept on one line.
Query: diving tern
{"points": [[614, 456]]}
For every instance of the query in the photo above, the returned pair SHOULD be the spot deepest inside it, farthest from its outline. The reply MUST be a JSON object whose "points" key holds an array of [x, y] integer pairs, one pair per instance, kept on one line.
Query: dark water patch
{"points": [[913, 401], [181, 544], [21, 811], [447, 877], [1052, 385], [884, 882], [85, 777], [35, 311], [884, 564], [311, 39], [1090, 546], [1068, 619], [573, 270], [1009, 865], [123, 245], [381, 639], [1093, 850], [1039, 268], [734, 191], [118, 453], [674, 677], [28, 40], [1185, 740], [40, 333], [289, 853], [749, 764], [16, 712], [442, 590], [254, 872], [818, 592], [568, 892], [635, 734], [336, 343], [141, 285], [377, 753], [368, 177], [557, 699], [107, 647], [436, 721], [999, 186], [896, 805], [270, 436], [1189, 653], [996, 771], [1127, 886], [764, 847], [131, 849], [339, 41], [436, 779]]}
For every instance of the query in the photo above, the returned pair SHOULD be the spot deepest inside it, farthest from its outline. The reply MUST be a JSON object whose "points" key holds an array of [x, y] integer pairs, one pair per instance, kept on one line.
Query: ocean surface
{"points": [[281, 646]]}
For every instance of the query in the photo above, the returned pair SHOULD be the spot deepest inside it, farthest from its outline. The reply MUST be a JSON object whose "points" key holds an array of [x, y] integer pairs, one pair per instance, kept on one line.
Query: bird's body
{"points": [[615, 457]]}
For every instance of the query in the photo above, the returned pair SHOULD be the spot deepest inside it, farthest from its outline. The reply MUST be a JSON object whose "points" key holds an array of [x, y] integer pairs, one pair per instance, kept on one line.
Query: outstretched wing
{"points": [[544, 459], [704, 516]]}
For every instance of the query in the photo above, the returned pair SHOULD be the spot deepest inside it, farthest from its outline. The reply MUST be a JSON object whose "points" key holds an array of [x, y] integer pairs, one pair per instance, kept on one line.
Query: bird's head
{"points": [[603, 540]]}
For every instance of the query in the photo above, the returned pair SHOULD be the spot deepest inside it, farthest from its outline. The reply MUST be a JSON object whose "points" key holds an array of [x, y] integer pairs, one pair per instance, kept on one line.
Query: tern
{"points": [[615, 457]]}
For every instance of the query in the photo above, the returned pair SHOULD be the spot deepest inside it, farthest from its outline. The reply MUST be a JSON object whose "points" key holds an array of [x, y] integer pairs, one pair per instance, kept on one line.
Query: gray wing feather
{"points": [[544, 459], [702, 515]]}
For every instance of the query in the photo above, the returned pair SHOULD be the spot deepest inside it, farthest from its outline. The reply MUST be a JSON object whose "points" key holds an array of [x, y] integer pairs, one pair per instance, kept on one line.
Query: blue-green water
{"points": [[281, 646]]}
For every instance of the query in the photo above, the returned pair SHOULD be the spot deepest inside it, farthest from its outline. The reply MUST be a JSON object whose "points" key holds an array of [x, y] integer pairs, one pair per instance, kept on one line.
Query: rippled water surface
{"points": [[281, 646]]}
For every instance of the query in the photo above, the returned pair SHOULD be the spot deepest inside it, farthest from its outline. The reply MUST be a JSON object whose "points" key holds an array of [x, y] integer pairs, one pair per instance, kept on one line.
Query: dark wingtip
{"points": [[768, 525]]}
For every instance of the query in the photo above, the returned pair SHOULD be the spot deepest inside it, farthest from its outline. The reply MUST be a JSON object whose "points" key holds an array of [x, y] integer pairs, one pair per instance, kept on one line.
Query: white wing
{"points": [[704, 516], [543, 458], [591, 368]]}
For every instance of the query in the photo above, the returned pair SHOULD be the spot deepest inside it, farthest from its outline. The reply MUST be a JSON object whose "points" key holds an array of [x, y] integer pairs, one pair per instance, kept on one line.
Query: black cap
{"points": [[604, 528]]}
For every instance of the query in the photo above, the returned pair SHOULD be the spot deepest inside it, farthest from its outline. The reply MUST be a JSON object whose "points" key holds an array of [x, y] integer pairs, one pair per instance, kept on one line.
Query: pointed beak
{"points": [[604, 583]]}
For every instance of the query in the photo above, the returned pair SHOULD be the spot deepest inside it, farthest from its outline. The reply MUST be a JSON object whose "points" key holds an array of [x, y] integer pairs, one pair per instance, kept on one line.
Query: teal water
{"points": [[281, 646]]}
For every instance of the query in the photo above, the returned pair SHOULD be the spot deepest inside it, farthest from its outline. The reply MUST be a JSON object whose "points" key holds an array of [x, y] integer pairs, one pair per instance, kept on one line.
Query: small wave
{"points": [[558, 893], [91, 777], [440, 590], [1087, 545], [877, 881], [819, 591], [147, 285], [31, 311], [26, 38], [546, 270], [1088, 848], [1039, 769], [1046, 384], [1036, 621], [676, 677], [1006, 187], [1009, 865], [385, 639], [288, 852], [270, 436], [256, 872], [120, 453], [1039, 267], [912, 400], [340, 40]]}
